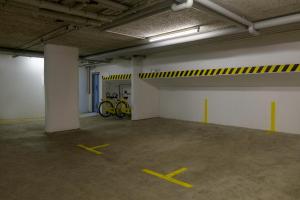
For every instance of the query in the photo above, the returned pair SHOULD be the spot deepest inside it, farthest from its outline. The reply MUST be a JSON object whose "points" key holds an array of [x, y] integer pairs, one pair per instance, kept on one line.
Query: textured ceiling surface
{"points": [[91, 40], [167, 21], [17, 28], [256, 10], [22, 23]]}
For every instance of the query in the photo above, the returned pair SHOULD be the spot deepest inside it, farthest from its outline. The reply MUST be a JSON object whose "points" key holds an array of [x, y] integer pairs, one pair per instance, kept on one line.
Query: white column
{"points": [[145, 97], [61, 88]]}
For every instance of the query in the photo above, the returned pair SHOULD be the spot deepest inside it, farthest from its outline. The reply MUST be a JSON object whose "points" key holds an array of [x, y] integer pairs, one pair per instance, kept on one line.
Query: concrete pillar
{"points": [[145, 97], [61, 88]]}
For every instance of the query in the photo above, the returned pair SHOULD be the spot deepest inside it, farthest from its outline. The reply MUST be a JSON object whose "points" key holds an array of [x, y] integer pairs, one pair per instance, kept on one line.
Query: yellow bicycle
{"points": [[122, 108], [110, 107]]}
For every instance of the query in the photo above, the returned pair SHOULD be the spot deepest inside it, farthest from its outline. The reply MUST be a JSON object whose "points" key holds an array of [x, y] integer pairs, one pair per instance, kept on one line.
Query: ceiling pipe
{"points": [[181, 6], [64, 9], [228, 14], [49, 36], [295, 18]]}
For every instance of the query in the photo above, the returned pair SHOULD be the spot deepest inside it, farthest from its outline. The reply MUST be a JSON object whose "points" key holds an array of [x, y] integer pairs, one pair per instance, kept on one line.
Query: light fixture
{"points": [[175, 34]]}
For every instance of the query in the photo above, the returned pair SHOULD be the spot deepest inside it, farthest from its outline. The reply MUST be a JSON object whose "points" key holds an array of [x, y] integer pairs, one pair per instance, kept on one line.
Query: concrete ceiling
{"points": [[167, 21], [256, 10], [25, 26]]}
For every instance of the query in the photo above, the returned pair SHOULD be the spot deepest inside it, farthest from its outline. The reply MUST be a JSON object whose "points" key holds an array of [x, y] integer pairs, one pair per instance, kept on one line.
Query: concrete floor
{"points": [[224, 163]]}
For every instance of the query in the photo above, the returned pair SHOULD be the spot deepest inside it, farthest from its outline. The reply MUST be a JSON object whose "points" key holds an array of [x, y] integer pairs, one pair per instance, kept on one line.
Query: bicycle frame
{"points": [[111, 110], [126, 110]]}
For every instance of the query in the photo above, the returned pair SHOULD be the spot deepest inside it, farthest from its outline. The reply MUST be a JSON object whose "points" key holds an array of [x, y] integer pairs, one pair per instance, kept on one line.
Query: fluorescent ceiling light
{"points": [[174, 34]]}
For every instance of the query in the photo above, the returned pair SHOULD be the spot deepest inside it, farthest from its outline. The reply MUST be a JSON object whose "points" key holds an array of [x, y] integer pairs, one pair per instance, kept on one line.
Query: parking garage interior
{"points": [[149, 99]]}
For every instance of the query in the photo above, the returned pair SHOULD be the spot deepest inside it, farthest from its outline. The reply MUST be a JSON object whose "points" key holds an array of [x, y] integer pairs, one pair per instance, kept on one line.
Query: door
{"points": [[95, 92]]}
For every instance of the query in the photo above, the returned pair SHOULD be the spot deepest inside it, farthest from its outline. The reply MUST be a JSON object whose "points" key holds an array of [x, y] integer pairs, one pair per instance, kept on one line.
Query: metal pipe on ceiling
{"points": [[64, 9], [228, 14], [289, 19], [49, 36], [181, 6]]}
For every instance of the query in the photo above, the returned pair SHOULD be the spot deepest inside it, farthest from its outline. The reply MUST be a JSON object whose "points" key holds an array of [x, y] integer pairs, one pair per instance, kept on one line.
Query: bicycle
{"points": [[123, 108], [110, 107]]}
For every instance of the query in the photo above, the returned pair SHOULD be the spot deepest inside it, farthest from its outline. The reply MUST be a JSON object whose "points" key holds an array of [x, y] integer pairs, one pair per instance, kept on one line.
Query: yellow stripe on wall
{"points": [[205, 120], [273, 117]]}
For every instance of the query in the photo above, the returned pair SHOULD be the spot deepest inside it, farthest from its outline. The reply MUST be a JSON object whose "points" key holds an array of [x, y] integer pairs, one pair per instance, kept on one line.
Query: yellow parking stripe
{"points": [[169, 177]]}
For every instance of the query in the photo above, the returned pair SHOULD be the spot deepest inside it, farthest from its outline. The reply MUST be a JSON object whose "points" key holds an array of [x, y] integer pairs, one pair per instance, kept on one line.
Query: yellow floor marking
{"points": [[169, 177], [92, 149], [100, 146], [179, 171]]}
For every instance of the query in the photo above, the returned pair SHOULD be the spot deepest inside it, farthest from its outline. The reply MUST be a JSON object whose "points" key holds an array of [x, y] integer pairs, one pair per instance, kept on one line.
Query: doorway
{"points": [[95, 92]]}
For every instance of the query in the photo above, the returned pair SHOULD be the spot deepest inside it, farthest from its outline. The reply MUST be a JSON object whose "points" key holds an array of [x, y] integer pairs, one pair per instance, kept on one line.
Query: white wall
{"points": [[244, 107], [21, 87], [145, 97], [236, 106], [266, 50], [117, 66]]}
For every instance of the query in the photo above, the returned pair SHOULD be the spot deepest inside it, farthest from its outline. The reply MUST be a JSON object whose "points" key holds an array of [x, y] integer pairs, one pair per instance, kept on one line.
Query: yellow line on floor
{"points": [[169, 176], [100, 146], [179, 171], [92, 149]]}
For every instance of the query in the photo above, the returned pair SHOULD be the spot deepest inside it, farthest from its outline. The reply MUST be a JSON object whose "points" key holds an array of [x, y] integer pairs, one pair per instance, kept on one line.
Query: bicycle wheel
{"points": [[121, 109], [106, 109]]}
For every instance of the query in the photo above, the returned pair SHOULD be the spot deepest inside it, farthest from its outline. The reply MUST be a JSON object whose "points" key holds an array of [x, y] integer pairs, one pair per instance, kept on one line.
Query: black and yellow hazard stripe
{"points": [[117, 77], [288, 68]]}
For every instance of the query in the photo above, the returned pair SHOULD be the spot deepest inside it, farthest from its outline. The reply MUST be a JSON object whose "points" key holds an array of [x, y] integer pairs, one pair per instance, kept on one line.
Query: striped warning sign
{"points": [[224, 71], [117, 77]]}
